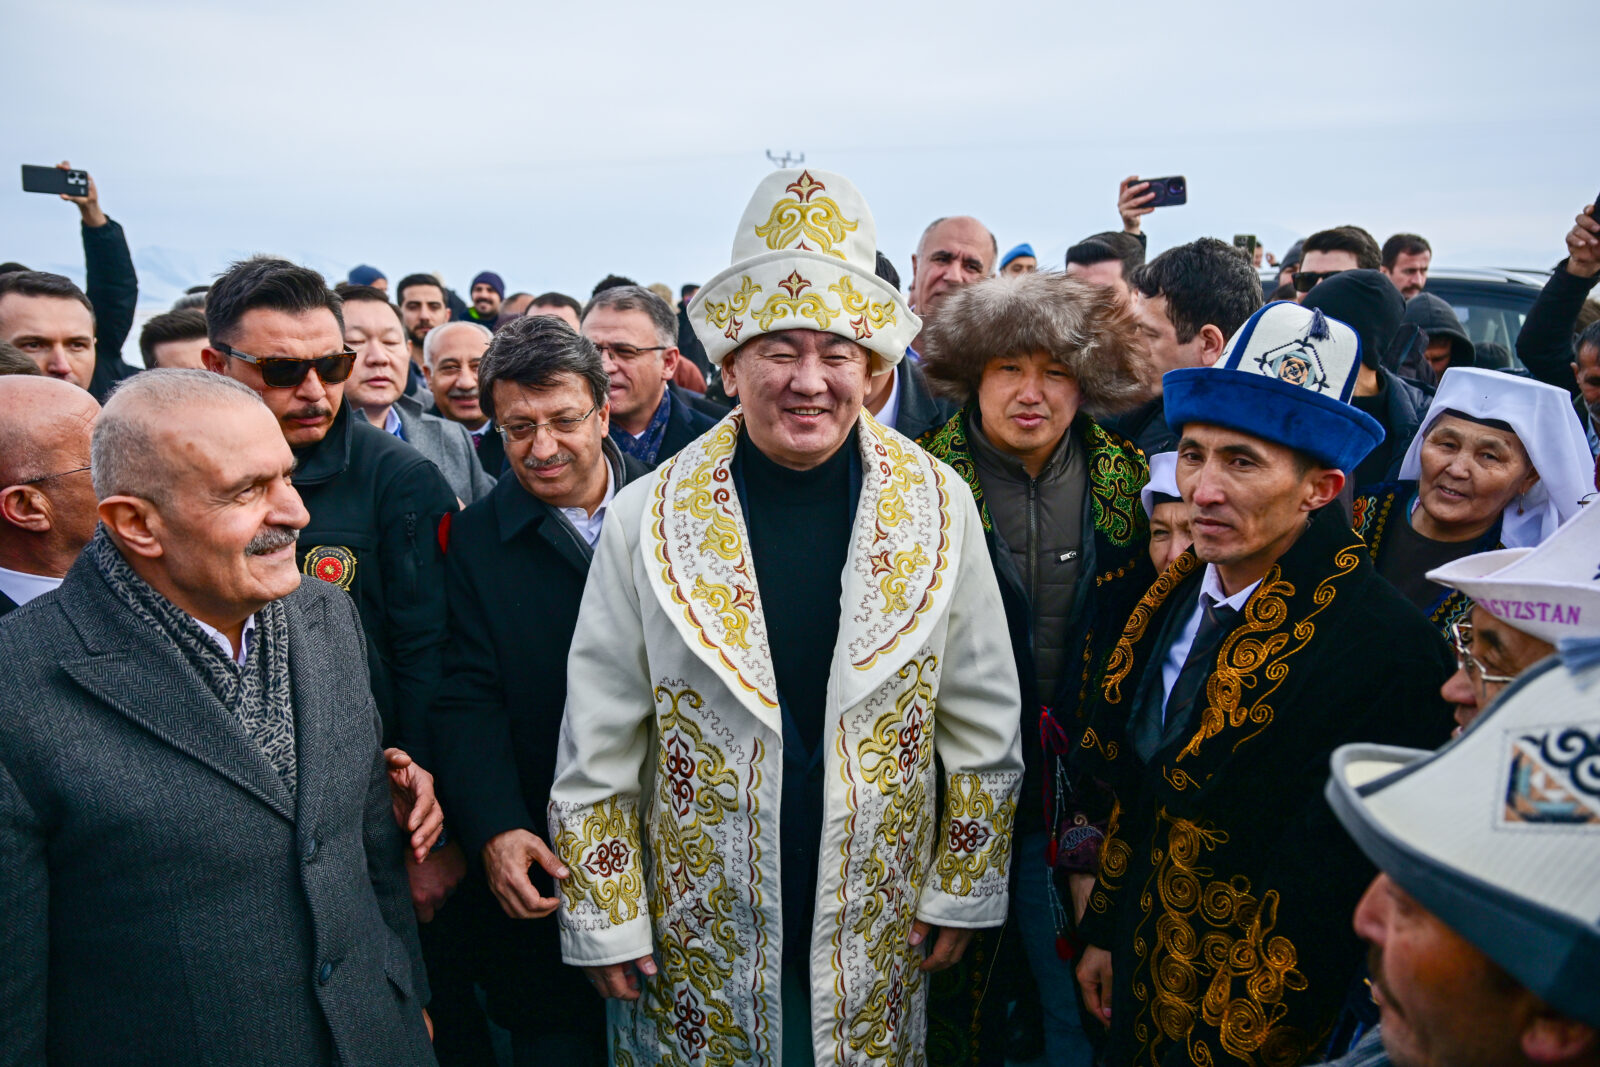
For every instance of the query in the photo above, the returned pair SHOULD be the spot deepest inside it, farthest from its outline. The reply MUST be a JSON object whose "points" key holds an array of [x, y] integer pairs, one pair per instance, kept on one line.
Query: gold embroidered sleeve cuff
{"points": [[603, 915], [972, 865]]}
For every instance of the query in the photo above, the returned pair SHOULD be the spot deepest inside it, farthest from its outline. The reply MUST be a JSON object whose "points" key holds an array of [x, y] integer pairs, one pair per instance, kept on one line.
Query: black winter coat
{"points": [[375, 503]]}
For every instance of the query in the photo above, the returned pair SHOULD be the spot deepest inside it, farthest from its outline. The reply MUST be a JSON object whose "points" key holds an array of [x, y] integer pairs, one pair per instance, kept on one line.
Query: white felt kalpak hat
{"points": [[1163, 480], [1498, 833], [804, 258], [1543, 419], [1286, 376], [1550, 592]]}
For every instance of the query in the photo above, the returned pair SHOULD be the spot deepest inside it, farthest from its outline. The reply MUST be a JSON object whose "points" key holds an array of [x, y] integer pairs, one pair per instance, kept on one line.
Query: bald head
{"points": [[47, 504], [133, 453], [953, 252], [42, 422]]}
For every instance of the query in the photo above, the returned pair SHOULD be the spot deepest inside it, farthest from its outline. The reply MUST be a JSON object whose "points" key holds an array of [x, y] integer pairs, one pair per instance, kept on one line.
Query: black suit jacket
{"points": [[165, 900], [920, 411], [515, 571], [685, 422]]}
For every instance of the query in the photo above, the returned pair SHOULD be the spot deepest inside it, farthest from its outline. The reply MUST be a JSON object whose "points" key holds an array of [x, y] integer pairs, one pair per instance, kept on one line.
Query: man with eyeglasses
{"points": [[1525, 601], [47, 501], [515, 567], [374, 501], [1327, 252], [637, 335]]}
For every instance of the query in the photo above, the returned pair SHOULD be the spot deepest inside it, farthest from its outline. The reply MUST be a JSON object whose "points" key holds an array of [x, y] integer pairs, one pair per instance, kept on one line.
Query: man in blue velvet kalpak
{"points": [[1217, 929]]}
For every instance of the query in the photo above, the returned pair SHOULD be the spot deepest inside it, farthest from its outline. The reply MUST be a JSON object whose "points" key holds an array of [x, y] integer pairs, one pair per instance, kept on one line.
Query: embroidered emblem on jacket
{"points": [[333, 564]]}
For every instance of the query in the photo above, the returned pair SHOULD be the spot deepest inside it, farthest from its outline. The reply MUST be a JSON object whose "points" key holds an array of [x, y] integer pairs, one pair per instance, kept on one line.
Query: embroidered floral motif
{"points": [[798, 303], [600, 846], [1120, 662], [896, 572], [725, 315], [1215, 959], [732, 606], [808, 217], [1116, 474], [978, 813], [700, 940], [869, 313], [894, 757], [1245, 657]]}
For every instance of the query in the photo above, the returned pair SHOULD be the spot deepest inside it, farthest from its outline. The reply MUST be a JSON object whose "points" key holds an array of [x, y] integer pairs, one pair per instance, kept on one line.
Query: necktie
{"points": [[1216, 621]]}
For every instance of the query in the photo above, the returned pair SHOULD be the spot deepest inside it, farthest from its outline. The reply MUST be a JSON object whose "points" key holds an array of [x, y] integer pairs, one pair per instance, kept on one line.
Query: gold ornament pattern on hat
{"points": [[819, 219], [869, 314]]}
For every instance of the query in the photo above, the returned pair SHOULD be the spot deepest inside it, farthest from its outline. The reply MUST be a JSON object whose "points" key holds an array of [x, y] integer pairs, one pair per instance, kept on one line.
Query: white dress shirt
{"points": [[22, 587], [587, 525], [1210, 591], [891, 407], [391, 422], [222, 641]]}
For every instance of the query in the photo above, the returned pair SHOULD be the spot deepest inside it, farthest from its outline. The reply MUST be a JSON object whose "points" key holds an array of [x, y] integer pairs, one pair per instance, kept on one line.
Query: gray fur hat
{"points": [[1086, 328]]}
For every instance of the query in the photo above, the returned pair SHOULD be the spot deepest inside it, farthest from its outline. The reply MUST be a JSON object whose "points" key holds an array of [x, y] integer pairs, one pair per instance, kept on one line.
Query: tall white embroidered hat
{"points": [[804, 258], [1550, 592], [1496, 834], [1542, 418]]}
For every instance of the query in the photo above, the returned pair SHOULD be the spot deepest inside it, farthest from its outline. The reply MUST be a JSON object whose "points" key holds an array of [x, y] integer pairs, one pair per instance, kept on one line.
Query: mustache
{"points": [[314, 411], [462, 394], [271, 539], [554, 461]]}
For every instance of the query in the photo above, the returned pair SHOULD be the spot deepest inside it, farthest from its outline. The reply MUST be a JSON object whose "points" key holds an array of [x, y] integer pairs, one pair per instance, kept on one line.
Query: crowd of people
{"points": [[1131, 663]]}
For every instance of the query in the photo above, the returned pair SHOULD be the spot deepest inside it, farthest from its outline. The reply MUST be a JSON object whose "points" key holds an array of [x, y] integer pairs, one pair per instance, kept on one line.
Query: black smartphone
{"points": [[1169, 191], [1245, 241], [54, 180]]}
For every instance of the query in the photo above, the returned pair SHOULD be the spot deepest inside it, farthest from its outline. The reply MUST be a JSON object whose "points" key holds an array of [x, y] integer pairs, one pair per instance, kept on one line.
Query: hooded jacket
{"points": [[1368, 303], [1435, 317]]}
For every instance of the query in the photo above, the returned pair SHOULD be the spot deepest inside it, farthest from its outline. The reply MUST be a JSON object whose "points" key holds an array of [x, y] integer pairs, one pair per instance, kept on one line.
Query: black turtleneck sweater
{"points": [[799, 523]]}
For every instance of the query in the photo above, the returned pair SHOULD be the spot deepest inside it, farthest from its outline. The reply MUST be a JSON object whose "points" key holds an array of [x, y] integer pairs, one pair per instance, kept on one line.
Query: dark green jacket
{"points": [[375, 504]]}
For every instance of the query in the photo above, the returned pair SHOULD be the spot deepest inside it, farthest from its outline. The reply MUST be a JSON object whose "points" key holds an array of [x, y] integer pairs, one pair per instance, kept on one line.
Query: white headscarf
{"points": [[1548, 428], [1163, 479]]}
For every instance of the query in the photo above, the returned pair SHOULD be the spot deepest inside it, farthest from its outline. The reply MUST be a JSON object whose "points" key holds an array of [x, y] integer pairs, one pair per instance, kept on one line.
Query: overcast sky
{"points": [[557, 143]]}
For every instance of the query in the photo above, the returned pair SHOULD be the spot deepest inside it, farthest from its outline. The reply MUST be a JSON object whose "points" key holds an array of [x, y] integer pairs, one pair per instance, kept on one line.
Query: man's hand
{"points": [[1132, 196], [506, 859], [1583, 245], [948, 947], [434, 879], [88, 206], [1094, 978], [416, 808], [621, 980], [1080, 885]]}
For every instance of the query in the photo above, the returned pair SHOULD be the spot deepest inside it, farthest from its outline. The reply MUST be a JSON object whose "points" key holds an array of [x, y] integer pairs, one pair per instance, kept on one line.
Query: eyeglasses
{"points": [[626, 353], [1461, 639], [47, 477], [282, 372], [1306, 280], [525, 431]]}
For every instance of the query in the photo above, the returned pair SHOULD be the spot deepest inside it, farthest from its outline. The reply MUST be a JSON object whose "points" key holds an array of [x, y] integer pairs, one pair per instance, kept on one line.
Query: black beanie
{"points": [[1366, 301]]}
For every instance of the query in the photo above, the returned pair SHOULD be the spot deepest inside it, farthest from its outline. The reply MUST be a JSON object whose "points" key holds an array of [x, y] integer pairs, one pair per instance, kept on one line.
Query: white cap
{"points": [[1550, 592], [1163, 479]]}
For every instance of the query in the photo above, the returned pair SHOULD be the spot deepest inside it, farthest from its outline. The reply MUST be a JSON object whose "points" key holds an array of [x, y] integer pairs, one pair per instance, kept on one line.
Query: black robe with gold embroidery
{"points": [[1226, 887]]}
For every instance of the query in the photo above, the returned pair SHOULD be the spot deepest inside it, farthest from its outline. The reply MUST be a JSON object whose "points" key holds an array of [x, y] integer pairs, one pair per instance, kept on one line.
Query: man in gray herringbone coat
{"points": [[198, 860]]}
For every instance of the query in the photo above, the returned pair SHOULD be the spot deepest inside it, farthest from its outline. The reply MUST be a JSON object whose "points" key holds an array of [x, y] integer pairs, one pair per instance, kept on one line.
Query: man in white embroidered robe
{"points": [[782, 627]]}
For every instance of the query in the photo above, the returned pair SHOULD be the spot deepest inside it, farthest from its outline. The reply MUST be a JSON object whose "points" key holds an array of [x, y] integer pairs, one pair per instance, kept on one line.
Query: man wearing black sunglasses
{"points": [[374, 501], [1328, 252]]}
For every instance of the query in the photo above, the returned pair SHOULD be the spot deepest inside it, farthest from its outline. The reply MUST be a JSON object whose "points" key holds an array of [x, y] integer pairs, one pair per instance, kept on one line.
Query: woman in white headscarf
{"points": [[1500, 462]]}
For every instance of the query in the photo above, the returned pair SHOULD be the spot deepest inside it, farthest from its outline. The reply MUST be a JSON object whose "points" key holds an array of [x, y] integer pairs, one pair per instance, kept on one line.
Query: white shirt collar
{"points": [[589, 525], [22, 587], [481, 430], [1211, 585], [891, 406], [391, 422], [221, 640]]}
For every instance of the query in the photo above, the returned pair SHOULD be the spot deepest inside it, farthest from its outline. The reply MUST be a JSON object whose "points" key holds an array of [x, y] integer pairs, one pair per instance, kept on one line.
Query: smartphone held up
{"points": [[54, 181]]}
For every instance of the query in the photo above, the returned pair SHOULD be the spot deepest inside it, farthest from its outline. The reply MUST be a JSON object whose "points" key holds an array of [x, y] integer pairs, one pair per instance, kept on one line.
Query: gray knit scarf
{"points": [[258, 693]]}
